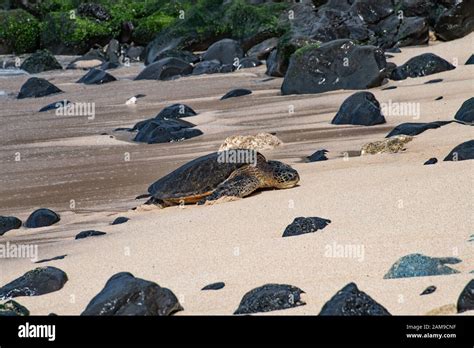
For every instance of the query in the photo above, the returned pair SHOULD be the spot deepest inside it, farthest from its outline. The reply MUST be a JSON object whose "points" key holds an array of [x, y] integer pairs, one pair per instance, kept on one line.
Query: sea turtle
{"points": [[231, 173]]}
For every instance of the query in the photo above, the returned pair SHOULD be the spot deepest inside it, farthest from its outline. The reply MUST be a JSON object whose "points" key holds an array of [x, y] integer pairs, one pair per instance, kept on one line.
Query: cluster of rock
{"points": [[39, 218], [167, 126], [223, 56], [386, 24]]}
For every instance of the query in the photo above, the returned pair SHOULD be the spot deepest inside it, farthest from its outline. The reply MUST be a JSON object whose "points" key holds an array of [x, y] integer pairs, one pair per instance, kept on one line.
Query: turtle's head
{"points": [[283, 175]]}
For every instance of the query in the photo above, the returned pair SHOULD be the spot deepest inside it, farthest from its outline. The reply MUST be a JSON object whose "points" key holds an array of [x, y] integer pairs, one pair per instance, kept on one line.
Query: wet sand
{"points": [[390, 204]]}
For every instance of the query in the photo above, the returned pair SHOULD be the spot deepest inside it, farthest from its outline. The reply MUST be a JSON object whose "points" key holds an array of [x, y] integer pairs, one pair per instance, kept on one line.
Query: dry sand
{"points": [[389, 204]]}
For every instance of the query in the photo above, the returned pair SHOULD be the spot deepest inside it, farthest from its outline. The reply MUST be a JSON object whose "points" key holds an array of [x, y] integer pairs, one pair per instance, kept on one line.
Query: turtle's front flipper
{"points": [[239, 185]]}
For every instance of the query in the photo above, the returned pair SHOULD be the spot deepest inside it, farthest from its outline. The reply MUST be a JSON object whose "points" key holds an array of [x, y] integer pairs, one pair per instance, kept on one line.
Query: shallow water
{"points": [[11, 72]]}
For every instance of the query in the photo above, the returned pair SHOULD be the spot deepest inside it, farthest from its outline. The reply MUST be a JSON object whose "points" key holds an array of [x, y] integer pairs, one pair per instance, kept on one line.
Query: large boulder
{"points": [[457, 22], [96, 77], [262, 50], [160, 130], [8, 223], [37, 282], [184, 55], [36, 87], [207, 67], [165, 69], [279, 58], [350, 301], [422, 65], [407, 31], [462, 152], [176, 111], [40, 61], [42, 217], [339, 64], [124, 294], [12, 309], [270, 297], [361, 108], [466, 298], [466, 111], [418, 265], [226, 51]]}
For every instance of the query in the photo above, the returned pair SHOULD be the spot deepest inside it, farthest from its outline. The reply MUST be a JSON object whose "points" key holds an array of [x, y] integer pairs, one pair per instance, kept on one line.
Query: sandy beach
{"points": [[384, 206]]}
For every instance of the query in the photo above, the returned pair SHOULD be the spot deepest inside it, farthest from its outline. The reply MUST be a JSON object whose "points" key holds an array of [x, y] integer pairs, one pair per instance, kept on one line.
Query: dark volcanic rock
{"points": [[56, 105], [429, 290], [207, 67], [457, 22], [186, 56], [120, 220], [176, 111], [462, 152], [124, 294], [134, 52], [414, 128], [158, 130], [225, 51], [95, 11], [319, 155], [12, 308], [350, 301], [466, 298], [249, 63], [279, 59], [262, 50], [302, 225], [112, 53], [165, 69], [360, 108], [40, 61], [42, 217], [89, 233], [60, 257], [270, 297], [407, 31], [272, 65], [108, 65], [37, 282], [470, 61], [8, 223], [432, 160], [418, 265], [339, 64], [36, 87], [466, 111], [439, 98], [96, 77], [422, 65], [433, 81], [214, 286], [236, 93]]}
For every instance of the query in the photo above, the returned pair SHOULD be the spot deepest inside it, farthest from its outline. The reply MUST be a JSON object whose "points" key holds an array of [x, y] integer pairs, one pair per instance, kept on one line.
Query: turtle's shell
{"points": [[195, 179]]}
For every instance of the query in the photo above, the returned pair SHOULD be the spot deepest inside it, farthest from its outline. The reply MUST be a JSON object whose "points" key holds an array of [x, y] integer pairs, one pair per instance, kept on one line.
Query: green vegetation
{"points": [[301, 51], [50, 24], [75, 33], [148, 27], [19, 31]]}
